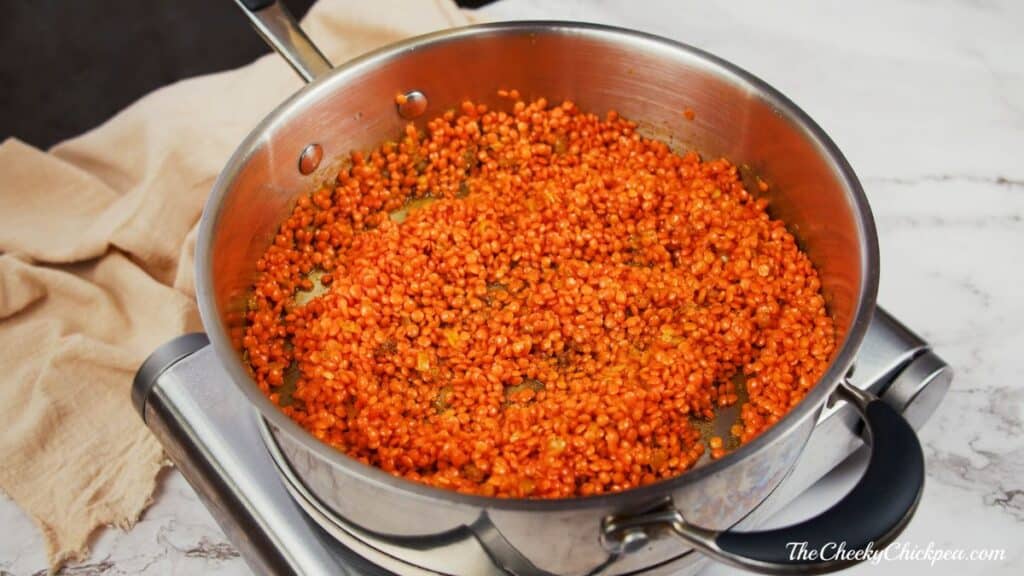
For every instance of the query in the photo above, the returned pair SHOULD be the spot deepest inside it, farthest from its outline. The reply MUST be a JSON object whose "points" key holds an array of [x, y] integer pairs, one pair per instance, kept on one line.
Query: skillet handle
{"points": [[279, 29], [864, 521]]}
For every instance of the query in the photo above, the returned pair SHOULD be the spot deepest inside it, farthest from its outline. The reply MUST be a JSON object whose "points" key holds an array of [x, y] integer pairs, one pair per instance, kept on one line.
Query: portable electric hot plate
{"points": [[293, 505], [221, 445]]}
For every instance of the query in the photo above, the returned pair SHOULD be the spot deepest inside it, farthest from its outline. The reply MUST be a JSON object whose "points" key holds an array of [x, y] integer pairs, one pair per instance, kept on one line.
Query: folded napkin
{"points": [[96, 242]]}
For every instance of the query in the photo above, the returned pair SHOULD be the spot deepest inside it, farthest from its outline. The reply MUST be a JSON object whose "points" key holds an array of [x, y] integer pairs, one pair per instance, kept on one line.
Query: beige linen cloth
{"points": [[96, 242]]}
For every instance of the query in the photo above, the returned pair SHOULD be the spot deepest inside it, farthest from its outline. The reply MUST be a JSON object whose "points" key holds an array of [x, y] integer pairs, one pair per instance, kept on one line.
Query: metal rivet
{"points": [[627, 542], [619, 539], [633, 541], [412, 104], [310, 158]]}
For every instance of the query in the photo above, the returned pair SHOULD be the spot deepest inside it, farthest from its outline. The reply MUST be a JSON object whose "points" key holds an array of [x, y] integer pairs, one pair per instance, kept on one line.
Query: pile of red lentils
{"points": [[534, 302]]}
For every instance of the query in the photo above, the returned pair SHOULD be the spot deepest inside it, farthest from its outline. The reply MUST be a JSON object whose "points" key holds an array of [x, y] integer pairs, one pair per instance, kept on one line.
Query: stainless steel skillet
{"points": [[650, 80]]}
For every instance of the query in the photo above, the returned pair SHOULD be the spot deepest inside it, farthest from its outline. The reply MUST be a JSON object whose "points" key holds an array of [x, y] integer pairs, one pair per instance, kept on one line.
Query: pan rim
{"points": [[808, 407]]}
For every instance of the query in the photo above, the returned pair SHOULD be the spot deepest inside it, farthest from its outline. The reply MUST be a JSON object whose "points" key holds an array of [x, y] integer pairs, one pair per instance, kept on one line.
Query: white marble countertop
{"points": [[926, 99]]}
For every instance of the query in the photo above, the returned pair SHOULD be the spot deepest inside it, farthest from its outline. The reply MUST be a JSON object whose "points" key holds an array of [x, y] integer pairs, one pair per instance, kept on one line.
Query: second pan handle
{"points": [[864, 521], [279, 29]]}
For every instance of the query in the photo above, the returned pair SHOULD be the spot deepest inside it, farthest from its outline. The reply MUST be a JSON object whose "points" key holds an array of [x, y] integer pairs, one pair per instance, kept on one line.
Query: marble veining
{"points": [[955, 178], [926, 99], [985, 469]]}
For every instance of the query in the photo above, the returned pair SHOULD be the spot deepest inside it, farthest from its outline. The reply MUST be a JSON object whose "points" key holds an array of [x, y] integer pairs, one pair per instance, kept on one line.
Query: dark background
{"points": [[68, 65]]}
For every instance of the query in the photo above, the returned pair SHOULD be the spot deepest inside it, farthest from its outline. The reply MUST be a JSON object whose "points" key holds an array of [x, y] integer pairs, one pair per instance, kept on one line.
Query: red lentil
{"points": [[535, 302]]}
